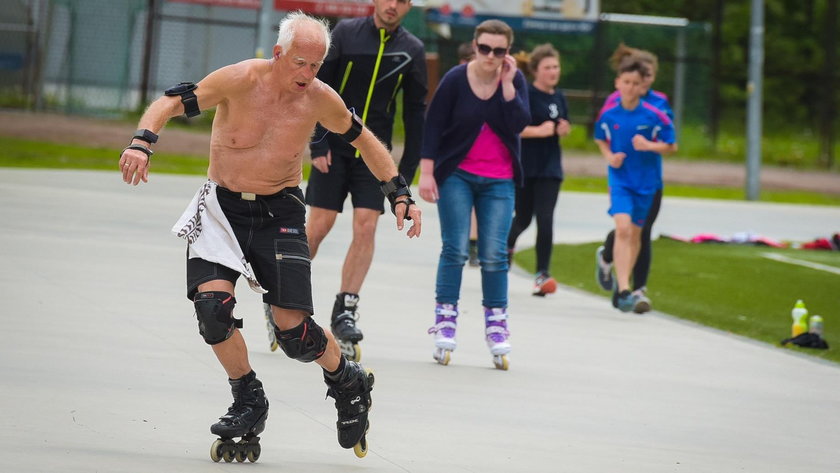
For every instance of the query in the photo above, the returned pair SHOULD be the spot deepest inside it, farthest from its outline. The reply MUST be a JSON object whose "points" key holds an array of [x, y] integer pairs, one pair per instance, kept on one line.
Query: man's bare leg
{"points": [[318, 225], [360, 254], [232, 353]]}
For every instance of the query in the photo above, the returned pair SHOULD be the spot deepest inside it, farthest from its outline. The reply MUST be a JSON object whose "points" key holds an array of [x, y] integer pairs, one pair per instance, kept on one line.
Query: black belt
{"points": [[251, 196]]}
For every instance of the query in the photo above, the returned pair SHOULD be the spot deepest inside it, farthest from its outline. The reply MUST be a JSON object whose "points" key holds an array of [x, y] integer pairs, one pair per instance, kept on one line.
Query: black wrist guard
{"points": [[394, 188], [146, 135], [142, 148]]}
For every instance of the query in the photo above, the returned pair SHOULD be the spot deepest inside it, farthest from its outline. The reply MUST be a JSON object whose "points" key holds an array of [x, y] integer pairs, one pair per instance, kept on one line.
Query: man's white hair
{"points": [[288, 28]]}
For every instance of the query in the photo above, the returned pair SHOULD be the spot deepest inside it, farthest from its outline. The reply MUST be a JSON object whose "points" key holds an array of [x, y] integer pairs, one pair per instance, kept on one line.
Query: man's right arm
{"points": [[211, 91]]}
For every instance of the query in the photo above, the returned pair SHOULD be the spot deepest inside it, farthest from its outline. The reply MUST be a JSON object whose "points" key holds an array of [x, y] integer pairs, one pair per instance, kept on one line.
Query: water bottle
{"points": [[815, 325], [799, 314]]}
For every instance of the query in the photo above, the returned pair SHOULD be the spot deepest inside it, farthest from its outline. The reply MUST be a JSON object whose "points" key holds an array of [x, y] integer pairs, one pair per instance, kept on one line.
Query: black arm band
{"points": [[142, 148], [355, 130], [188, 98], [146, 135], [394, 188]]}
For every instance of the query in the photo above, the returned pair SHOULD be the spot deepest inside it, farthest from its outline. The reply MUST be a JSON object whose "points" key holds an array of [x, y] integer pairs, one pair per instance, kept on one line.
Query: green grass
{"points": [[16, 152], [729, 287], [599, 184]]}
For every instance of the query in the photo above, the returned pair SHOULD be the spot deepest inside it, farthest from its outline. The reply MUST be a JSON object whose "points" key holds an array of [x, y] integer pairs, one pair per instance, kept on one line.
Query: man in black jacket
{"points": [[371, 60]]}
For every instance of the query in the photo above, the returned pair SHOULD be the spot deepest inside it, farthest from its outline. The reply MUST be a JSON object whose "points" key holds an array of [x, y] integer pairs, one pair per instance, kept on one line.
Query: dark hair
{"points": [[624, 51], [633, 64], [539, 53], [494, 27], [465, 52]]}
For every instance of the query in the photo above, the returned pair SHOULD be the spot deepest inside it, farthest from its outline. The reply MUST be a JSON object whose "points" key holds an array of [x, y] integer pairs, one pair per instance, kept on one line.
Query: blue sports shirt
{"points": [[654, 97], [641, 171]]}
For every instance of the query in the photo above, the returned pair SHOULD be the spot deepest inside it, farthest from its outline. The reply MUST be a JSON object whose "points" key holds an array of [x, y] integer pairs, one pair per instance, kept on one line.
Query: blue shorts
{"points": [[626, 201]]}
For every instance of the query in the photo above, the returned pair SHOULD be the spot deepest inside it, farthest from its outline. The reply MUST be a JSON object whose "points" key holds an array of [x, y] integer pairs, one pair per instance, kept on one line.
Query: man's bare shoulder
{"points": [[324, 96], [244, 74]]}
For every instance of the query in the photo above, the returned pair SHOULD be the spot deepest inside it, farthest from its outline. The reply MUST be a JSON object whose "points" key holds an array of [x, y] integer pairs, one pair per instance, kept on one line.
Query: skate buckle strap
{"points": [[496, 317], [442, 325], [346, 316], [446, 312], [496, 329]]}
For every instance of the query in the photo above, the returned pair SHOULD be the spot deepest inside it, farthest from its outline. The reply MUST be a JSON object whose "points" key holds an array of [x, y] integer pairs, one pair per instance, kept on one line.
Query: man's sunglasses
{"points": [[486, 50]]}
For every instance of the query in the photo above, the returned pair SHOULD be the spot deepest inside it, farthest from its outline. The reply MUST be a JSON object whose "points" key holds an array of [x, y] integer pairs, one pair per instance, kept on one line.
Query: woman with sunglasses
{"points": [[470, 157]]}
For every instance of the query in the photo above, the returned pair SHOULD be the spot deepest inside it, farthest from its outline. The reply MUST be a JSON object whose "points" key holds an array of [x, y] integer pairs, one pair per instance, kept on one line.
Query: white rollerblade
{"points": [[446, 321]]}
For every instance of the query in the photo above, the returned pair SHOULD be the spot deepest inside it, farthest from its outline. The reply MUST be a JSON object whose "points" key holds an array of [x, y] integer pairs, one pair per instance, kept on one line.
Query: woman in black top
{"points": [[541, 161]]}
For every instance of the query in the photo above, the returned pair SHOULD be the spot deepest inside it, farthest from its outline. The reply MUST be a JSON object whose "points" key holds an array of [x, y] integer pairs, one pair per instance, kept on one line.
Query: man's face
{"points": [[389, 13], [302, 62]]}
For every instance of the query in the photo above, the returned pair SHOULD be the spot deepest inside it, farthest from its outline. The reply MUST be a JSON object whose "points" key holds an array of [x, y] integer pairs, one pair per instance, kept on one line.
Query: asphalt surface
{"points": [[103, 369]]}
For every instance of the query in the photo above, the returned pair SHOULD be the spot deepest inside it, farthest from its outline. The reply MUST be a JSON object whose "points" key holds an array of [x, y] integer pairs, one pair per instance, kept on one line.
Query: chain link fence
{"points": [[105, 57]]}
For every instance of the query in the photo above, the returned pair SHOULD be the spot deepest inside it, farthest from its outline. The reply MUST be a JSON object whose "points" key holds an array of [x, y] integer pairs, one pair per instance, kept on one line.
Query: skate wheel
{"points": [[360, 449], [349, 350], [216, 450], [274, 346], [501, 362], [442, 356], [254, 453], [239, 456]]}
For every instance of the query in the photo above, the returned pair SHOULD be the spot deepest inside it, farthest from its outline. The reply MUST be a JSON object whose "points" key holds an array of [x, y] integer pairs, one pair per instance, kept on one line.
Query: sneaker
{"points": [[496, 330], [642, 303], [544, 284], [446, 322], [624, 300], [603, 270]]}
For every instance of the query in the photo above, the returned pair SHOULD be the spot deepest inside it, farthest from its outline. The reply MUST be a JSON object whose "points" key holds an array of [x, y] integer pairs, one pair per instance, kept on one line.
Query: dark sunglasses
{"points": [[486, 50]]}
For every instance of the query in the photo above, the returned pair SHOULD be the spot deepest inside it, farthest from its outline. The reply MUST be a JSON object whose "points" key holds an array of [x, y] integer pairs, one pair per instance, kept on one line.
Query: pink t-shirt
{"points": [[488, 157]]}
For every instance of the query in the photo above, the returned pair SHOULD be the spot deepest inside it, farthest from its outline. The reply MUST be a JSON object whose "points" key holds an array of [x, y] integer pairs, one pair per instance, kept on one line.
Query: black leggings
{"points": [[642, 268], [537, 197]]}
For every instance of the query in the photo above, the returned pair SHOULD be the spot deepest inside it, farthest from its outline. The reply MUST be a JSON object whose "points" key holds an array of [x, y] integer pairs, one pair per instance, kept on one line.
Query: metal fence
{"points": [[105, 57], [683, 51]]}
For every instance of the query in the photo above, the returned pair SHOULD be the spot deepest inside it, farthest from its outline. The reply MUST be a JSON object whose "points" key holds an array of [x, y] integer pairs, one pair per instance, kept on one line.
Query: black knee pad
{"points": [[214, 311], [306, 342]]}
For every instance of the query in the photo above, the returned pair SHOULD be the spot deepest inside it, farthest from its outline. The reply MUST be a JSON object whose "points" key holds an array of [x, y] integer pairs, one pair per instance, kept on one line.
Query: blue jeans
{"points": [[493, 200]]}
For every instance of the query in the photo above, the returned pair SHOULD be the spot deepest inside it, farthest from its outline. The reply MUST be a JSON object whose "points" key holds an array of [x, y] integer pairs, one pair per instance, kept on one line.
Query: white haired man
{"points": [[249, 219]]}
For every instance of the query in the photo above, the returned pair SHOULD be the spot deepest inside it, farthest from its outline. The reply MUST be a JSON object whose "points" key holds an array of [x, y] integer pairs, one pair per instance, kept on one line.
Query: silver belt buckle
{"points": [[248, 196]]}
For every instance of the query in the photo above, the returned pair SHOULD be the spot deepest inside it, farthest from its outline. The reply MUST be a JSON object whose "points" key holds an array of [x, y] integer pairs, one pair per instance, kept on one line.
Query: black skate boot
{"points": [[245, 418], [343, 325], [352, 401]]}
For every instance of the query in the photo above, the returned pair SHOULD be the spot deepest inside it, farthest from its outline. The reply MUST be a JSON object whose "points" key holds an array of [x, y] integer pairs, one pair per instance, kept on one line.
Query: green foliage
{"points": [[795, 81], [729, 287]]}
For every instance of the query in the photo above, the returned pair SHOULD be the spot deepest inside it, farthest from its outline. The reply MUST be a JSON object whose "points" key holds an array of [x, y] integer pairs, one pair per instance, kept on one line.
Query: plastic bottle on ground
{"points": [[799, 314]]}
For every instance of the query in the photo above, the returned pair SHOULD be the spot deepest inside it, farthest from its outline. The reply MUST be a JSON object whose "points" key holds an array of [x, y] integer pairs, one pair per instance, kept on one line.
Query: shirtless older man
{"points": [[249, 219]]}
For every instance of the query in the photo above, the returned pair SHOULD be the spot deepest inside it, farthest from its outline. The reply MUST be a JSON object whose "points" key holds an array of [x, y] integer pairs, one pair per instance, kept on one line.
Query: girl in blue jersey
{"points": [[541, 161], [632, 135], [604, 254]]}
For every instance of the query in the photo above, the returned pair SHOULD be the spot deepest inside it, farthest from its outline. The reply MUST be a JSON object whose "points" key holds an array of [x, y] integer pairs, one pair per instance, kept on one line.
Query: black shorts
{"points": [[271, 232], [348, 174]]}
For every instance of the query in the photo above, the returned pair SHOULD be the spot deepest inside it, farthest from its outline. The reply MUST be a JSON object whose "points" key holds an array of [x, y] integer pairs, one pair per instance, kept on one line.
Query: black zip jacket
{"points": [[360, 49]]}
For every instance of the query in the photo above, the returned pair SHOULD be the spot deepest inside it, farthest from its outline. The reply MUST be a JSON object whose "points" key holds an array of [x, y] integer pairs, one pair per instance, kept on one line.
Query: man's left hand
{"points": [[413, 212]]}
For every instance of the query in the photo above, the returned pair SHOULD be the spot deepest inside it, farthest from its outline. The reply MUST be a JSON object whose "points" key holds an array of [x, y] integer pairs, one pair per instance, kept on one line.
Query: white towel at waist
{"points": [[210, 237]]}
